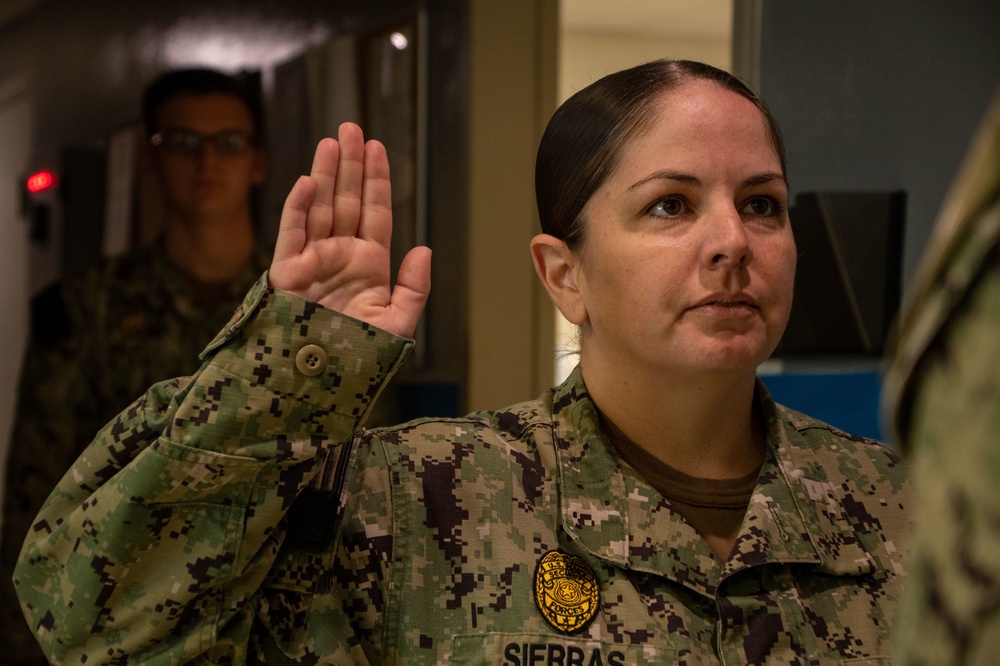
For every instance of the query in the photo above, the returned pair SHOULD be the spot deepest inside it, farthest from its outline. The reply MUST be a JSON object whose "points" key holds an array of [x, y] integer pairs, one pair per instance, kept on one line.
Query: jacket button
{"points": [[311, 360]]}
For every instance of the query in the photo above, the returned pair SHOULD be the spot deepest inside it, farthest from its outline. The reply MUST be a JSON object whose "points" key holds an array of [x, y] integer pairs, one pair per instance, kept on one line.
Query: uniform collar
{"points": [[797, 513]]}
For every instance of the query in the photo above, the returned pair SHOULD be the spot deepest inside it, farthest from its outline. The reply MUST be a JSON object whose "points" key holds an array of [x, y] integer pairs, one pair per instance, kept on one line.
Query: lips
{"points": [[738, 300]]}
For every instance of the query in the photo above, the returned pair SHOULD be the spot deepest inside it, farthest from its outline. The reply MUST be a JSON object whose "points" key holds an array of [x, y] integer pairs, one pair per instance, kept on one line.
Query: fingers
{"points": [[292, 226], [376, 197], [353, 195], [413, 286], [324, 173], [349, 180]]}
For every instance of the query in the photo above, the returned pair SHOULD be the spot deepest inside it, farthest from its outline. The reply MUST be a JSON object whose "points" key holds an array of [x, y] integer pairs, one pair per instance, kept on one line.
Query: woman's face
{"points": [[688, 259]]}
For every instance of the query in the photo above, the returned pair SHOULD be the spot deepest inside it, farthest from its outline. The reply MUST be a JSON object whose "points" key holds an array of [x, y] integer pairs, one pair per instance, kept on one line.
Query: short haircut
{"points": [[200, 81]]}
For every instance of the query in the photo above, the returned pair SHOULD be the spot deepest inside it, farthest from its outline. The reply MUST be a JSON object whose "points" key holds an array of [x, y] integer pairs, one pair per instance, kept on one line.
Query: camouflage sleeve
{"points": [[951, 613], [56, 416], [155, 544]]}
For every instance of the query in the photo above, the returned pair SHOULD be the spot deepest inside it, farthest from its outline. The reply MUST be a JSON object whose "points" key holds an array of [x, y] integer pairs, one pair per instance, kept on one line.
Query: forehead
{"points": [[703, 119], [212, 112]]}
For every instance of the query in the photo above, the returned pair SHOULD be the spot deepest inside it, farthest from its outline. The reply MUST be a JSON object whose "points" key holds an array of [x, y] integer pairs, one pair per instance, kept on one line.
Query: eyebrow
{"points": [[680, 176]]}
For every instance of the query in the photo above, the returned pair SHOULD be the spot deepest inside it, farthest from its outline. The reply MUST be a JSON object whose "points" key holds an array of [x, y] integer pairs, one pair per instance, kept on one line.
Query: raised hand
{"points": [[333, 241]]}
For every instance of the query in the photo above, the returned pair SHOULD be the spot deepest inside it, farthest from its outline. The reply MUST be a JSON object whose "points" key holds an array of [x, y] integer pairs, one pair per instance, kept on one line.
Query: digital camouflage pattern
{"points": [[98, 341], [200, 527], [943, 392]]}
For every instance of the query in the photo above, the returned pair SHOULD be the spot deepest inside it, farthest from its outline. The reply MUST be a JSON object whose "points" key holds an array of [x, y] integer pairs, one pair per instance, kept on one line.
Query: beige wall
{"points": [[512, 95], [585, 56]]}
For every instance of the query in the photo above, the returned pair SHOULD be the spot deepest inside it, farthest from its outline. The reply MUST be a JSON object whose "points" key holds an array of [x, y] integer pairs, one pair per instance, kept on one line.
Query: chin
{"points": [[736, 356]]}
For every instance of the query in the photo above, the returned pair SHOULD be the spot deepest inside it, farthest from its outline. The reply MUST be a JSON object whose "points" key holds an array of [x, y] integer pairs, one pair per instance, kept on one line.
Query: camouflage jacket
{"points": [[943, 392], [98, 340], [200, 526]]}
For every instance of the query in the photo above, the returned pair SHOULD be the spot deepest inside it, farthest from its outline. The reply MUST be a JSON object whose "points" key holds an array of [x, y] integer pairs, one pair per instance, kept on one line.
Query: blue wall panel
{"points": [[849, 401]]}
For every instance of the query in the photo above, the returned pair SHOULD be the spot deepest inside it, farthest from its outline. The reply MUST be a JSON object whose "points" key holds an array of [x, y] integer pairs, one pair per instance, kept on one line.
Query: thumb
{"points": [[413, 286]]}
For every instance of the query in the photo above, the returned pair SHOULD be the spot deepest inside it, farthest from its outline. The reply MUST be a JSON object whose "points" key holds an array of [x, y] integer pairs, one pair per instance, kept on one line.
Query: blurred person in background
{"points": [[99, 338]]}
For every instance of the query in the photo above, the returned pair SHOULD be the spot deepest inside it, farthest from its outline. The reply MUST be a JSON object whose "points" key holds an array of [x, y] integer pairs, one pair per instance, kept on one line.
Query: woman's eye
{"points": [[762, 206], [670, 207]]}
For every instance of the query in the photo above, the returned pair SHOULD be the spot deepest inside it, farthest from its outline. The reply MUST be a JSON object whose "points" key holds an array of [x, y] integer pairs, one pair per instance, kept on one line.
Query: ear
{"points": [[556, 265]]}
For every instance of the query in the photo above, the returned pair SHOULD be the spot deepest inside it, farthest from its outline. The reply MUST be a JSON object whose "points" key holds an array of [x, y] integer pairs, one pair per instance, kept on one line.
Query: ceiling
{"points": [[11, 9], [710, 18]]}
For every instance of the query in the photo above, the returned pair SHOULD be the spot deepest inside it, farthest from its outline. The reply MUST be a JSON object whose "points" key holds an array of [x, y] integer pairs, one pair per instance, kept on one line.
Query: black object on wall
{"points": [[848, 282]]}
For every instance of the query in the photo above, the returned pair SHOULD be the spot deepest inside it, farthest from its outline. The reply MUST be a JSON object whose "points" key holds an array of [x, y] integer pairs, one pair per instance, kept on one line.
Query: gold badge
{"points": [[566, 592]]}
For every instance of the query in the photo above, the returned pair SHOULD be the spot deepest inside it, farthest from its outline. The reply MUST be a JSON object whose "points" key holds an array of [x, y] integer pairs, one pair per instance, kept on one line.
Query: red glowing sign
{"points": [[41, 181]]}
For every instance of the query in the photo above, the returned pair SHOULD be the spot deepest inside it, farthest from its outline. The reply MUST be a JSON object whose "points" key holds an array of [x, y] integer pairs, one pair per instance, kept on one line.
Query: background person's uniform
{"points": [[98, 340], [943, 392], [506, 537]]}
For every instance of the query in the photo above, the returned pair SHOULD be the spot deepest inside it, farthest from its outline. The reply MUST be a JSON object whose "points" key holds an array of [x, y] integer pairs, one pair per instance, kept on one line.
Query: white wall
{"points": [[15, 133]]}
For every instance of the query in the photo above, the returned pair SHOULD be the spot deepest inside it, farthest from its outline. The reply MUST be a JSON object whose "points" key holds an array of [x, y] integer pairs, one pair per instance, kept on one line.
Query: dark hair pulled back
{"points": [[583, 141]]}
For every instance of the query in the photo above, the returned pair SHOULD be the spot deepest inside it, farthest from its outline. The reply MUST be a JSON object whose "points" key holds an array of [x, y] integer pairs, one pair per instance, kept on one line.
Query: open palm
{"points": [[334, 237]]}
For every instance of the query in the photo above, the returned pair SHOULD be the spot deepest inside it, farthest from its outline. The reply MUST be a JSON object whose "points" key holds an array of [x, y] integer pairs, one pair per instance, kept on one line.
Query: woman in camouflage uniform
{"points": [[658, 507]]}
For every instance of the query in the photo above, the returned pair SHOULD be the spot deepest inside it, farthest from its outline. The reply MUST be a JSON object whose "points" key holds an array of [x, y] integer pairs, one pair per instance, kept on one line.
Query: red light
{"points": [[41, 181]]}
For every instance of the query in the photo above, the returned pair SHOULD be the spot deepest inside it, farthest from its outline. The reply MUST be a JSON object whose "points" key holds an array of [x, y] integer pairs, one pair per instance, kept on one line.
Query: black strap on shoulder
{"points": [[315, 514]]}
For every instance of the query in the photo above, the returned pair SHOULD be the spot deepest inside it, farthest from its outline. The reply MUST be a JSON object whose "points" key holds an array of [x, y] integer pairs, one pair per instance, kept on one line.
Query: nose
{"points": [[208, 153], [208, 146], [727, 243]]}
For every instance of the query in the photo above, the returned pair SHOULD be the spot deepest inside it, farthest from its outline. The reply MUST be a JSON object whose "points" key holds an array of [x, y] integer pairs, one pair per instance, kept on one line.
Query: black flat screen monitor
{"points": [[848, 281]]}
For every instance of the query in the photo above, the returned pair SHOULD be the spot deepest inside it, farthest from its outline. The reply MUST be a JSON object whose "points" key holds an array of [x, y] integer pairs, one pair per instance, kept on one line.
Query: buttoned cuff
{"points": [[301, 350]]}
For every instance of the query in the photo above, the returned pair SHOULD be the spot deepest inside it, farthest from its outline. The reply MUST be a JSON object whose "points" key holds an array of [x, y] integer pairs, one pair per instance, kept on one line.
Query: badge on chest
{"points": [[566, 592]]}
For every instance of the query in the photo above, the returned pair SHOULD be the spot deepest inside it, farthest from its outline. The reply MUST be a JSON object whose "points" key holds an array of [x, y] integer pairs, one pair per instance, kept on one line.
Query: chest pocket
{"points": [[503, 649]]}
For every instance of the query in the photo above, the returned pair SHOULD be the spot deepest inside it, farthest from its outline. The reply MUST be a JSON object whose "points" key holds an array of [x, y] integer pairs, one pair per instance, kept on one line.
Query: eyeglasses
{"points": [[228, 143]]}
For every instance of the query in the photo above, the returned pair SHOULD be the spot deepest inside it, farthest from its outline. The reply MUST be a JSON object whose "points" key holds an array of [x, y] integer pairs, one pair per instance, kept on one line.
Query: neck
{"points": [[212, 251], [702, 424]]}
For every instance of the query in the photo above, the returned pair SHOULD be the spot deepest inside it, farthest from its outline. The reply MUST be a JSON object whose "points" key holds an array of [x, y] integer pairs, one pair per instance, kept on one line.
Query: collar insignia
{"points": [[566, 592]]}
